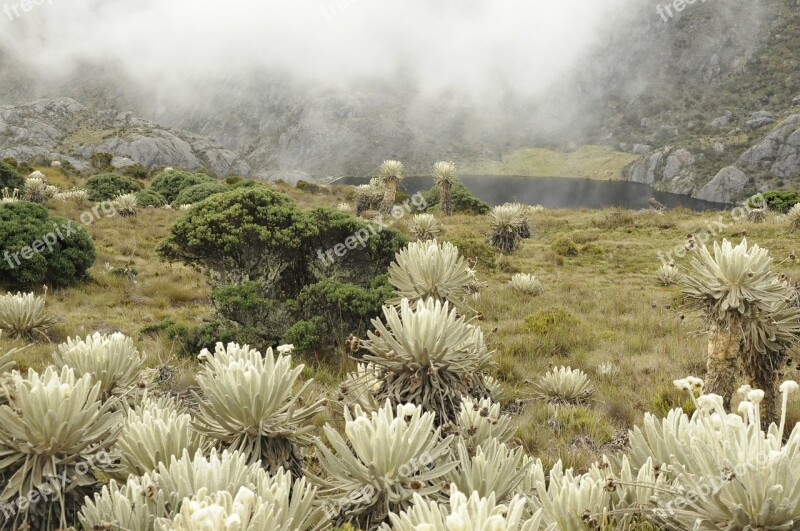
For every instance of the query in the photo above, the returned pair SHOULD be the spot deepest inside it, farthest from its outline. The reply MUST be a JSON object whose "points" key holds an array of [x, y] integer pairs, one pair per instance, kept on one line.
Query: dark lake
{"points": [[558, 192]]}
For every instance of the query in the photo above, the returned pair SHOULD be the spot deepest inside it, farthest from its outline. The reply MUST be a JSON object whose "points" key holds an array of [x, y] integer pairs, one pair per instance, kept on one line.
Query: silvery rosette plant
{"points": [[726, 472], [360, 386], [55, 434], [492, 468], [430, 269], [247, 402], [391, 174], [368, 196], [508, 225], [668, 275], [424, 227], [112, 360], [7, 363], [480, 421], [9, 196], [143, 502], [126, 205], [37, 190], [154, 432], [380, 462], [564, 385], [793, 217], [747, 308], [23, 315], [445, 176], [470, 514], [526, 283], [77, 195], [429, 356], [524, 228]]}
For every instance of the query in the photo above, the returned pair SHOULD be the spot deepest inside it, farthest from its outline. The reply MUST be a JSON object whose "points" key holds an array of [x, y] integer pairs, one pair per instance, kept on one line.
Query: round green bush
{"points": [[107, 186], [241, 235], [565, 247], [10, 178], [171, 183], [26, 229], [198, 192], [149, 198]]}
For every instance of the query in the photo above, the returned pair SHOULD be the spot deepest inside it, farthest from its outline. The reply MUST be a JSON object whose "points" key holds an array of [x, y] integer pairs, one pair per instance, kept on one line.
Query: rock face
{"points": [[779, 151], [668, 169], [760, 119], [724, 187], [63, 129]]}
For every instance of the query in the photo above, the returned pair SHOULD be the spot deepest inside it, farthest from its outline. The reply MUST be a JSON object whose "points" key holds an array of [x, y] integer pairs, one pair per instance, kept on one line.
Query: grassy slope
{"points": [[622, 316], [595, 162]]}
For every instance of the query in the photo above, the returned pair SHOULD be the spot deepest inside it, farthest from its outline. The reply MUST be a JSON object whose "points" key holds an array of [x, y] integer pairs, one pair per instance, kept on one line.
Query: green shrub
{"points": [[198, 192], [364, 261], [24, 224], [473, 250], [309, 188], [107, 186], [345, 309], [171, 183], [149, 198], [555, 332], [245, 234], [136, 171], [565, 247], [10, 178], [232, 180], [101, 161], [307, 335], [781, 201], [463, 200]]}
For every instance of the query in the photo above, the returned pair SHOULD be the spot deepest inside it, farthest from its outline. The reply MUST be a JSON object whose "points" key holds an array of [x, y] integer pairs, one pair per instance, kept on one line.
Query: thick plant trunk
{"points": [[446, 199], [388, 197], [724, 347]]}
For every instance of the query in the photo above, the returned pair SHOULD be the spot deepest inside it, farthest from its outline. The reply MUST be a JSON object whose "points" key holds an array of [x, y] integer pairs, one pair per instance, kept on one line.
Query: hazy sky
{"points": [[476, 46]]}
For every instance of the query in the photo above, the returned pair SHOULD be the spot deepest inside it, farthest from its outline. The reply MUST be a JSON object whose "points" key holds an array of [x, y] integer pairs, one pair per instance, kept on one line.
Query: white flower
{"points": [[743, 390], [789, 386], [683, 384], [745, 407], [409, 410], [285, 349], [696, 383], [755, 396], [710, 402]]}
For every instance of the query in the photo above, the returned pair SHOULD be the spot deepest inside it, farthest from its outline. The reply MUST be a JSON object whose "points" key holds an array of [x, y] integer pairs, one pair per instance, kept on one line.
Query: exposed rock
{"points": [[722, 121], [122, 162], [796, 100], [760, 119], [779, 150], [719, 147], [642, 148], [646, 169], [677, 162], [63, 129], [724, 187]]}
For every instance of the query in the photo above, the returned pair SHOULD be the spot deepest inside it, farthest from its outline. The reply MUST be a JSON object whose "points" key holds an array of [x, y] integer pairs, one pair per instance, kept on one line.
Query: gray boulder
{"points": [[724, 187], [796, 100], [779, 151], [642, 148], [760, 119], [63, 129], [677, 163]]}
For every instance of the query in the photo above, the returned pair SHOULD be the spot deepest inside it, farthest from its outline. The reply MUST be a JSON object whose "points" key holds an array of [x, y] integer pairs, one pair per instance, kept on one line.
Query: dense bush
{"points": [[246, 234], [10, 178], [107, 186], [780, 201], [149, 198], [464, 201], [198, 192], [171, 183], [137, 171], [24, 227], [270, 265]]}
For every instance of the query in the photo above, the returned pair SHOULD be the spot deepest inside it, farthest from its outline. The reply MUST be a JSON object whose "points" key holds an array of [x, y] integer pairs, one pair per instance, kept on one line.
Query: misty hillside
{"points": [[692, 83]]}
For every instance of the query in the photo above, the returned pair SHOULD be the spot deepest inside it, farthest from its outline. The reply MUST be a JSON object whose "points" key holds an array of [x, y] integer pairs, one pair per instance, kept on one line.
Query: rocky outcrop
{"points": [[760, 119], [667, 169], [724, 187], [779, 151], [63, 129]]}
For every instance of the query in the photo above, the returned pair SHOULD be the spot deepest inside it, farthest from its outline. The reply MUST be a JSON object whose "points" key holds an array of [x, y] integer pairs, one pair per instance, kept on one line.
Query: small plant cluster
{"points": [[509, 225]]}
